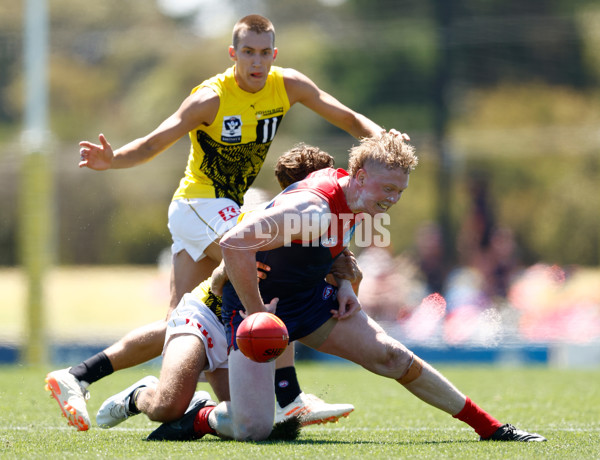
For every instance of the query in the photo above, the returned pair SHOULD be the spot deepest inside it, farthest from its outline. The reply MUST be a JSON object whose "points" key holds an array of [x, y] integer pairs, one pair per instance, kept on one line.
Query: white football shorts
{"points": [[195, 223], [193, 317]]}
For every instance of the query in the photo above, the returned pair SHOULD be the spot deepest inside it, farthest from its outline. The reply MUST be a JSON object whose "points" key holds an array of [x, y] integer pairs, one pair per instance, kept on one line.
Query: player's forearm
{"points": [[136, 152], [242, 275], [364, 127]]}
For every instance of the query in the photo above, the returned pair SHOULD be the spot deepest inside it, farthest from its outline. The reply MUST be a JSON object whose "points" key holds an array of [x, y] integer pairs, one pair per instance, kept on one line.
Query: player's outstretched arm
{"points": [[200, 108], [302, 89]]}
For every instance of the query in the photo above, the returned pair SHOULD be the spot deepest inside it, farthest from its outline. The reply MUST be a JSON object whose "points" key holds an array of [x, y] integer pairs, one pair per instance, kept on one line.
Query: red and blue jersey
{"points": [[301, 265], [298, 270]]}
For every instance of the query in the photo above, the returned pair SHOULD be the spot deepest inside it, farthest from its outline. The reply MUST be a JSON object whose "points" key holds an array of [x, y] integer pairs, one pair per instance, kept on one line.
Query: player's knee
{"points": [[255, 430], [393, 358], [162, 411]]}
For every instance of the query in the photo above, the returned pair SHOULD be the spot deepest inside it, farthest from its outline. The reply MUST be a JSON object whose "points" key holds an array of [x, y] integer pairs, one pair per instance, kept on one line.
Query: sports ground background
{"points": [[494, 249]]}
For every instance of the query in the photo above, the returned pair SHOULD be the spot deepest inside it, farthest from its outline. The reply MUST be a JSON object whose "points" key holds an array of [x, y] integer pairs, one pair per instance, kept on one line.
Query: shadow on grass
{"points": [[354, 442]]}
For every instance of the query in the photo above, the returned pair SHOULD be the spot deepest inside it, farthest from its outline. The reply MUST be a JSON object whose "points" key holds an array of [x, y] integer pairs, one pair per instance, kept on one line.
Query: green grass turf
{"points": [[388, 421]]}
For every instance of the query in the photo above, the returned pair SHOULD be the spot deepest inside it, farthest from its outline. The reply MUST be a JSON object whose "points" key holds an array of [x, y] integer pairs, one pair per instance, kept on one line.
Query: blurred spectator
{"points": [[390, 288], [475, 233], [430, 256], [556, 306], [485, 247]]}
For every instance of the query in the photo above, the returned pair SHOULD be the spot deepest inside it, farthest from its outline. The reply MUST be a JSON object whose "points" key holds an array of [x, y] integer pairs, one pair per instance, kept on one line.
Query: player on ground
{"points": [[231, 120], [317, 314], [71, 395], [195, 341]]}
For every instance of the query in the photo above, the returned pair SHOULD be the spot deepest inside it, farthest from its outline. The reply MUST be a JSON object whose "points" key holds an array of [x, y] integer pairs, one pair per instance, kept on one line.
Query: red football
{"points": [[262, 337]]}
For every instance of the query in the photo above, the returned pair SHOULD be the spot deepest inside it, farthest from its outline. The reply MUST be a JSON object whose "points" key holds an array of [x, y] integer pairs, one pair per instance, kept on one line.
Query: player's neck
{"points": [[346, 184]]}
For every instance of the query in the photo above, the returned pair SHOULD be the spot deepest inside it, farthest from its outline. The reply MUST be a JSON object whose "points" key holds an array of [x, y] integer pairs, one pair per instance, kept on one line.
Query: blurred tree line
{"points": [[520, 97]]}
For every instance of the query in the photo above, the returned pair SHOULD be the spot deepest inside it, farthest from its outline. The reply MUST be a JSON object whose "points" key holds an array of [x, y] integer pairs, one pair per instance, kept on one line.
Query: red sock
{"points": [[201, 425], [483, 423]]}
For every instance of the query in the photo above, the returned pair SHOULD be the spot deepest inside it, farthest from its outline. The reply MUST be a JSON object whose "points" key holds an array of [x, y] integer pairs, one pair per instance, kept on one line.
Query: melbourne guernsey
{"points": [[226, 156], [304, 264]]}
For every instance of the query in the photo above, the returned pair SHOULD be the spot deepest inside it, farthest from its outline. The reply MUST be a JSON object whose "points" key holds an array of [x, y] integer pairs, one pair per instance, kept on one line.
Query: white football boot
{"points": [[71, 396], [116, 408], [311, 410]]}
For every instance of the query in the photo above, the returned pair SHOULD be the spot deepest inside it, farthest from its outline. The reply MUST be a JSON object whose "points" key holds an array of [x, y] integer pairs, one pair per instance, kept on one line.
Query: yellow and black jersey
{"points": [[206, 296], [226, 156]]}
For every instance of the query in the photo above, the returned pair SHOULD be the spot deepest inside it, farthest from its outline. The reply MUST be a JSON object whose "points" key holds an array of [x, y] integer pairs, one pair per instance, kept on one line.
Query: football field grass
{"points": [[388, 422]]}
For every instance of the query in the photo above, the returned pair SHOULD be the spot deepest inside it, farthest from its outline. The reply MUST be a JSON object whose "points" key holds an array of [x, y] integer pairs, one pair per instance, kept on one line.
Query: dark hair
{"points": [[299, 162]]}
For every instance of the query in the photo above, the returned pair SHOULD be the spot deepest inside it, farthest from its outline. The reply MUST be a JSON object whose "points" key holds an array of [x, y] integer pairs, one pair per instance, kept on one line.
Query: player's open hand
{"points": [[94, 156], [269, 307]]}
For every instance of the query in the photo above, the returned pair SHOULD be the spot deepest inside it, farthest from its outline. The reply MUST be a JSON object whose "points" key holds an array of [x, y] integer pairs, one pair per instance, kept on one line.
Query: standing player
{"points": [[321, 316]]}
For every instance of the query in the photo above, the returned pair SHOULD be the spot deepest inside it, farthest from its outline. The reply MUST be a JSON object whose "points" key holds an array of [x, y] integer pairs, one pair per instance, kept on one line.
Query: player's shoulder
{"points": [[215, 86], [293, 75], [298, 86]]}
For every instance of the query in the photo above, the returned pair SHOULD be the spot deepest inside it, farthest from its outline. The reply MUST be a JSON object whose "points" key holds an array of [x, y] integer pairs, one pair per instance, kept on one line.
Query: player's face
{"points": [[253, 58], [379, 188]]}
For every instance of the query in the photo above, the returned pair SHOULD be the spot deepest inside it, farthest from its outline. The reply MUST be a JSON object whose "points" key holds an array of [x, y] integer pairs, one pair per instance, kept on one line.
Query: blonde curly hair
{"points": [[386, 149]]}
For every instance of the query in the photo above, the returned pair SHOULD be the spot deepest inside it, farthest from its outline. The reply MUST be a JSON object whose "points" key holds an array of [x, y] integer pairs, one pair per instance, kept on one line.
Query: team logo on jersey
{"points": [[330, 242], [232, 129], [327, 292], [229, 213]]}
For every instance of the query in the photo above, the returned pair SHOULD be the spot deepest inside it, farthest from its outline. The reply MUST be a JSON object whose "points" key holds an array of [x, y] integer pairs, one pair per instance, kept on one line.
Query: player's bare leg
{"points": [[186, 273], [373, 349], [183, 360], [219, 382], [146, 342], [377, 352], [138, 346]]}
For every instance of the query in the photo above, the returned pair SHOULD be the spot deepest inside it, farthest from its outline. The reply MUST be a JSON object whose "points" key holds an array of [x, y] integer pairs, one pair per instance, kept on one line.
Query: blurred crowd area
{"points": [[487, 297]]}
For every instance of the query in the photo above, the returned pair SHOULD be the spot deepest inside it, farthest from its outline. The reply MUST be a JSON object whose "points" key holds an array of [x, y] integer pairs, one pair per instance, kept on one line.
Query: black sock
{"points": [[93, 369], [133, 408], [287, 387]]}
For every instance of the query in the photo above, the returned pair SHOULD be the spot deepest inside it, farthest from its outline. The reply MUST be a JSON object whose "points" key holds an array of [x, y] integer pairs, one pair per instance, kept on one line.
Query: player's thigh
{"points": [[183, 360], [252, 390], [219, 382], [186, 274], [361, 340]]}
